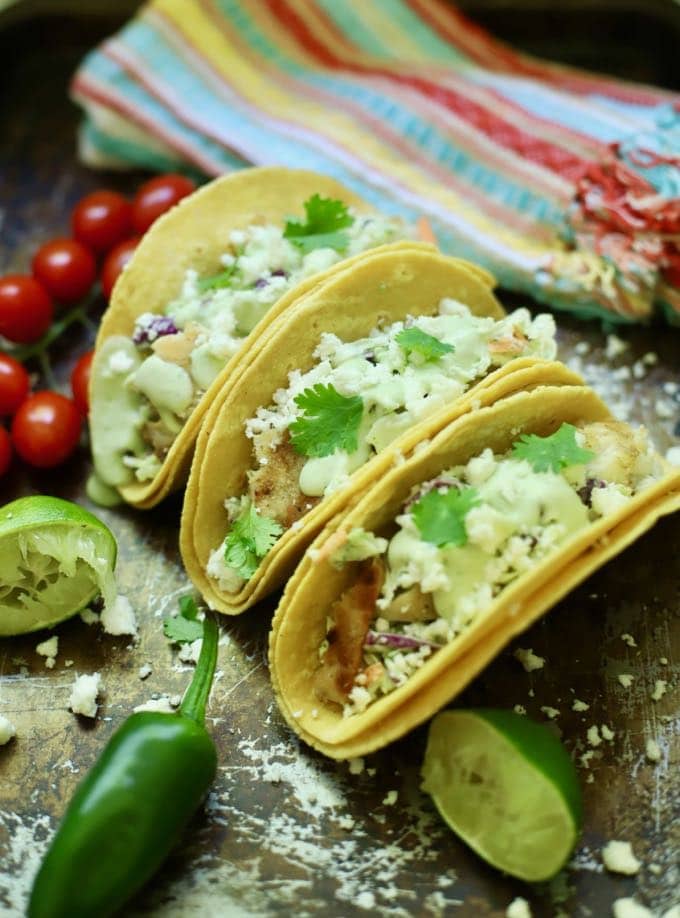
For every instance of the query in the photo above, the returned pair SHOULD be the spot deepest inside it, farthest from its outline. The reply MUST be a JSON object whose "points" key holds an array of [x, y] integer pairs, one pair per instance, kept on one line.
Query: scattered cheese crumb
{"points": [[89, 617], [365, 900], [529, 660], [580, 705], [145, 671], [626, 679], [162, 705], [656, 869], [586, 757], [607, 732], [660, 687], [593, 735], [119, 617], [618, 857], [518, 908], [653, 751], [49, 649], [390, 798], [84, 693], [628, 639], [629, 908], [615, 347], [189, 653], [663, 661], [519, 709], [7, 730], [549, 712], [356, 766], [673, 455]]}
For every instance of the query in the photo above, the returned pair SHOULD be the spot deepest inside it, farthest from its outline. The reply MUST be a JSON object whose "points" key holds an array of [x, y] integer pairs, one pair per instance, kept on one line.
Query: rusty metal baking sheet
{"points": [[285, 831]]}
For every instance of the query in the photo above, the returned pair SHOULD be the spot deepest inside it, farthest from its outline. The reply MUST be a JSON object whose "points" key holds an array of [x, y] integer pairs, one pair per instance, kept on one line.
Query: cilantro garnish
{"points": [[330, 421], [326, 219], [551, 453], [185, 627], [250, 538], [217, 281], [414, 339], [440, 516]]}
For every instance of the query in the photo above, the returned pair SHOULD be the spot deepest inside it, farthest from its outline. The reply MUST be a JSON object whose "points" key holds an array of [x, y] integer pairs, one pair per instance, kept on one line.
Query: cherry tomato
{"points": [[14, 384], [5, 451], [65, 268], [26, 309], [156, 196], [102, 219], [46, 429], [80, 382], [115, 262]]}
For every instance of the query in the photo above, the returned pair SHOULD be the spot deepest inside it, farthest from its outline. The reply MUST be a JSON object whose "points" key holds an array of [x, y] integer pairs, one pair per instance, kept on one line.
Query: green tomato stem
{"points": [[196, 698]]}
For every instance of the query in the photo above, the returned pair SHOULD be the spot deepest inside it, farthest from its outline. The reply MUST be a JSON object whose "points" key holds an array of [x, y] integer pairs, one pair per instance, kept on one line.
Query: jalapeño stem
{"points": [[196, 698]]}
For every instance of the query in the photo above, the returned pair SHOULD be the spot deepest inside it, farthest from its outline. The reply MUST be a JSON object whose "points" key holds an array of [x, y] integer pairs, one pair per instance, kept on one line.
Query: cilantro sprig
{"points": [[550, 454], [250, 538], [416, 340], [440, 515], [330, 421], [184, 628], [325, 221], [217, 281]]}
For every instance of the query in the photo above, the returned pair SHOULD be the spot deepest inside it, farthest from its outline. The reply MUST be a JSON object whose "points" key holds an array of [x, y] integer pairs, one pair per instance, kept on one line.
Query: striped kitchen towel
{"points": [[565, 184]]}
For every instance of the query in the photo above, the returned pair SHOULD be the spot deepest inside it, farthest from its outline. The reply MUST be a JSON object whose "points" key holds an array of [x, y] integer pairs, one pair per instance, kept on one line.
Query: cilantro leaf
{"points": [[330, 421], [250, 538], [185, 627], [414, 339], [325, 218], [217, 281], [440, 516], [551, 453]]}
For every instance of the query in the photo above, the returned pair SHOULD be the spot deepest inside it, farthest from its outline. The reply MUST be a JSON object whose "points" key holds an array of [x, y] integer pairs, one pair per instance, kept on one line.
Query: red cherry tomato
{"points": [[115, 262], [25, 308], [65, 268], [14, 384], [5, 451], [102, 219], [156, 196], [46, 429], [80, 382]]}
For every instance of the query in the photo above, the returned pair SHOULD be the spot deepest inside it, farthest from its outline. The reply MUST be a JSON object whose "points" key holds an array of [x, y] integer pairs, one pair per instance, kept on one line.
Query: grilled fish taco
{"points": [[209, 275], [372, 360], [410, 592]]}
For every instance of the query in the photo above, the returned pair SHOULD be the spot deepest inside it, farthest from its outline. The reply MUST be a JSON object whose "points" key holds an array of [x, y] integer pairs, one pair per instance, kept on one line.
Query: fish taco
{"points": [[411, 591], [371, 361], [209, 276]]}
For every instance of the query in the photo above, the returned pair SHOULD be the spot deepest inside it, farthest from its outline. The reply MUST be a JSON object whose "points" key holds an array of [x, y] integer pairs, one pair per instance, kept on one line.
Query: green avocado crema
{"points": [[146, 385], [362, 395], [504, 519]]}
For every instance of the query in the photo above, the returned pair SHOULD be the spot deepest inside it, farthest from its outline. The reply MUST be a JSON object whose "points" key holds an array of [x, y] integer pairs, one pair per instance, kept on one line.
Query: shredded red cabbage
{"points": [[150, 326]]}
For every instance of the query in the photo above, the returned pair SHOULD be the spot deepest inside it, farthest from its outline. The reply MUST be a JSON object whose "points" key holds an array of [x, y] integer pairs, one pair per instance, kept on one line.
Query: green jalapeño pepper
{"points": [[132, 806]]}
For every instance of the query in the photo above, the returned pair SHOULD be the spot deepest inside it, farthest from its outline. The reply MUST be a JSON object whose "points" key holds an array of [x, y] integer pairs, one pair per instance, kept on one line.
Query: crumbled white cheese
{"points": [[49, 650], [519, 709], [7, 730], [673, 455], [518, 908], [119, 617], [356, 766], [529, 660], [629, 908], [580, 705], [84, 693], [660, 687], [145, 671], [89, 617], [663, 661], [626, 679], [593, 735], [618, 857], [189, 653], [390, 798], [628, 639], [161, 705], [549, 712], [365, 900], [615, 347], [607, 733], [653, 751]]}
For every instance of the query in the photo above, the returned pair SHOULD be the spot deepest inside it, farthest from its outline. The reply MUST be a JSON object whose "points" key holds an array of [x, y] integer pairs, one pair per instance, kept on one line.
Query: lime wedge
{"points": [[507, 786], [55, 557]]}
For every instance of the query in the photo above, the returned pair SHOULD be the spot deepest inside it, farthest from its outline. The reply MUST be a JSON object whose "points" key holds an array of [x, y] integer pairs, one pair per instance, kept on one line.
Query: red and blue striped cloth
{"points": [[565, 184]]}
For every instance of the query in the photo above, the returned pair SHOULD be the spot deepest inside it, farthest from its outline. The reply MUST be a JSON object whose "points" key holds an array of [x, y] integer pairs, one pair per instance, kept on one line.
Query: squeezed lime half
{"points": [[507, 787], [55, 558]]}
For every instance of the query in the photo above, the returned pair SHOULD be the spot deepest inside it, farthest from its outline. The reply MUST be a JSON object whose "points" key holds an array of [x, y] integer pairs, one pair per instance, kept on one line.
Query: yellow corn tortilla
{"points": [[388, 283], [194, 235], [299, 625]]}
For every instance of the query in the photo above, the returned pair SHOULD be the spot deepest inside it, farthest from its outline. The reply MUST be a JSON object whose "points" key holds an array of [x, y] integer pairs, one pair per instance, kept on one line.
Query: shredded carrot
{"points": [[425, 230]]}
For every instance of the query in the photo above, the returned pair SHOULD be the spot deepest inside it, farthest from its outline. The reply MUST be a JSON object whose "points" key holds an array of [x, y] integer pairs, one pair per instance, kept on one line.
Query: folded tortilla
{"points": [[299, 640], [384, 286], [191, 237]]}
